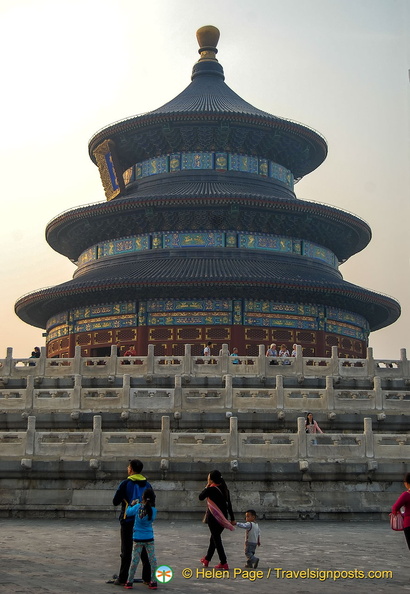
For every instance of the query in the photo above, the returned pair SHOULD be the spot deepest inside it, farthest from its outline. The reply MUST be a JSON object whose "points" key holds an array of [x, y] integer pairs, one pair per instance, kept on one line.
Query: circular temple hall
{"points": [[202, 238]]}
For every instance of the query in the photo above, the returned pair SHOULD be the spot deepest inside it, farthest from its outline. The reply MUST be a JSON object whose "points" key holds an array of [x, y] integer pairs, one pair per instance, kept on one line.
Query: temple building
{"points": [[202, 238]]}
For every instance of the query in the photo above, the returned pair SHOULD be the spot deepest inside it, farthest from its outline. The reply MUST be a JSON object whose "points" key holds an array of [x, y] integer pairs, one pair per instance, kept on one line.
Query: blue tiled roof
{"points": [[209, 93]]}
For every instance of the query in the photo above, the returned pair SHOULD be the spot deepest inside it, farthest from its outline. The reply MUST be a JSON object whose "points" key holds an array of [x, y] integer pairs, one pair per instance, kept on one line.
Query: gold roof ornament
{"points": [[208, 38]]}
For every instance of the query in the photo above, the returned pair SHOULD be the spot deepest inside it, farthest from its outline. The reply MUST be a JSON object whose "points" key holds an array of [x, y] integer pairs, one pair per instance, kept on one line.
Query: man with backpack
{"points": [[131, 490]]}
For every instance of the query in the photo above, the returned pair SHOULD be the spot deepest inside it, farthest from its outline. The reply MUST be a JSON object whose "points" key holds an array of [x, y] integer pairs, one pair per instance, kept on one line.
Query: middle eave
{"points": [[76, 230]]}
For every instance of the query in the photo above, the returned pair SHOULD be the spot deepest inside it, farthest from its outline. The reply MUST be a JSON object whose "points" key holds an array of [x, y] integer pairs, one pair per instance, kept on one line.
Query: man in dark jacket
{"points": [[128, 491]]}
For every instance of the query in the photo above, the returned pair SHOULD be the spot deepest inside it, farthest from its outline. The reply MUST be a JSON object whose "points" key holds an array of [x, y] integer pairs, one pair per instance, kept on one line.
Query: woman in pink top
{"points": [[311, 426], [404, 501]]}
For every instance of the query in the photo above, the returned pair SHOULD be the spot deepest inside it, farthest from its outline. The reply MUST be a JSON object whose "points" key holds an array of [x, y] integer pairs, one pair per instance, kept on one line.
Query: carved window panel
{"points": [[102, 337], [160, 350], [178, 349], [83, 339], [198, 349], [161, 334], [252, 350], [347, 344], [286, 335], [358, 347], [306, 337], [310, 351], [218, 333], [257, 334], [126, 335], [189, 333]]}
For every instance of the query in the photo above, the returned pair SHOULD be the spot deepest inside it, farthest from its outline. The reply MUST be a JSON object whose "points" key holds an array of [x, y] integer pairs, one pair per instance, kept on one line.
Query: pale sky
{"points": [[71, 67]]}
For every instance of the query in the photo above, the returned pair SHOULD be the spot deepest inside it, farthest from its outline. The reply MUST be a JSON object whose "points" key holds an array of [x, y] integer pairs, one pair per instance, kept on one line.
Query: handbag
{"points": [[396, 521]]}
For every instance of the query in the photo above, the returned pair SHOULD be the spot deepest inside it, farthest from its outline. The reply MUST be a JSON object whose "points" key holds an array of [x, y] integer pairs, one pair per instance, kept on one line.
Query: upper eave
{"points": [[208, 101]]}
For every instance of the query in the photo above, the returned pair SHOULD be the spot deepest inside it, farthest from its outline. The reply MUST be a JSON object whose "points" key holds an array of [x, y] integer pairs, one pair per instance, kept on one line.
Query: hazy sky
{"points": [[72, 67]]}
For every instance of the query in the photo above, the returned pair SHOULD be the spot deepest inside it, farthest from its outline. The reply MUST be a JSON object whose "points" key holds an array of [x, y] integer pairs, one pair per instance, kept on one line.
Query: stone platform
{"points": [[43, 556], [68, 427]]}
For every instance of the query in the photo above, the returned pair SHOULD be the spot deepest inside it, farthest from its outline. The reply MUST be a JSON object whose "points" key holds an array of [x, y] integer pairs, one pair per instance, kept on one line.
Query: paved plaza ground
{"points": [[78, 556]]}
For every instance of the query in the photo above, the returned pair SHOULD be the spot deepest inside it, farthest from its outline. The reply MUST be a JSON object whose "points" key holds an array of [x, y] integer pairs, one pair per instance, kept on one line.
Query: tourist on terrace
{"points": [[311, 426], [272, 352], [404, 501], [207, 352], [219, 506], [283, 352], [130, 352], [35, 354], [131, 490], [235, 356]]}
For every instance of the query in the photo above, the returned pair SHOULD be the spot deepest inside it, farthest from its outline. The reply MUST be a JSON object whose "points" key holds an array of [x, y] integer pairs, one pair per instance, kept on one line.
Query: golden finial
{"points": [[208, 38]]}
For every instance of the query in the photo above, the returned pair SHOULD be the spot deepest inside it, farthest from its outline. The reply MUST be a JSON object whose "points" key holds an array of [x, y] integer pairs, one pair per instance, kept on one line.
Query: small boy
{"points": [[252, 538]]}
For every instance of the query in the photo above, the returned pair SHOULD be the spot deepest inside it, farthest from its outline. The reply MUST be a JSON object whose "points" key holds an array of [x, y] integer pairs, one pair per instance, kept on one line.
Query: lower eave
{"points": [[36, 308]]}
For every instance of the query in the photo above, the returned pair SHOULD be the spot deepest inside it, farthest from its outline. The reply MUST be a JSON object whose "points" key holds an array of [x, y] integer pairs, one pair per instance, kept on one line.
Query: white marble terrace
{"points": [[33, 387]]}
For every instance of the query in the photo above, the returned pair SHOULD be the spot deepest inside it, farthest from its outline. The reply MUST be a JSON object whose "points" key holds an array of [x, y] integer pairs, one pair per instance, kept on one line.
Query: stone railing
{"points": [[117, 394], [233, 445], [195, 366]]}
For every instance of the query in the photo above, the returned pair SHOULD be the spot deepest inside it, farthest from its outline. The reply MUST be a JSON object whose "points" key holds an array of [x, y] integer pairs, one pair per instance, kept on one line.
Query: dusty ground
{"points": [[75, 556]]}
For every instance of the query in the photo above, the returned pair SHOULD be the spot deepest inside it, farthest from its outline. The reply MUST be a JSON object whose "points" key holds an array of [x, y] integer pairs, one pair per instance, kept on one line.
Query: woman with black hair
{"points": [[311, 426], [143, 536], [404, 501], [219, 506]]}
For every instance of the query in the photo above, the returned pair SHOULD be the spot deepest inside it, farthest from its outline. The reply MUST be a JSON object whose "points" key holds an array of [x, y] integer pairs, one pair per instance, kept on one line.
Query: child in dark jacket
{"points": [[143, 536]]}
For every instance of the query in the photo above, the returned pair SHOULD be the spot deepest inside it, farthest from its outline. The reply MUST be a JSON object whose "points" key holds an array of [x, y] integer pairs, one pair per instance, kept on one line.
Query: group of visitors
{"points": [[137, 500], [272, 351], [138, 512], [234, 354], [35, 354], [283, 352], [219, 507]]}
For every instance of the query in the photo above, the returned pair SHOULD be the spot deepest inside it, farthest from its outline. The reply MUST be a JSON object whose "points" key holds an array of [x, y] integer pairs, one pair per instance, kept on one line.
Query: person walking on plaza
{"points": [[252, 538], [219, 506], [131, 490], [404, 501], [143, 536]]}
